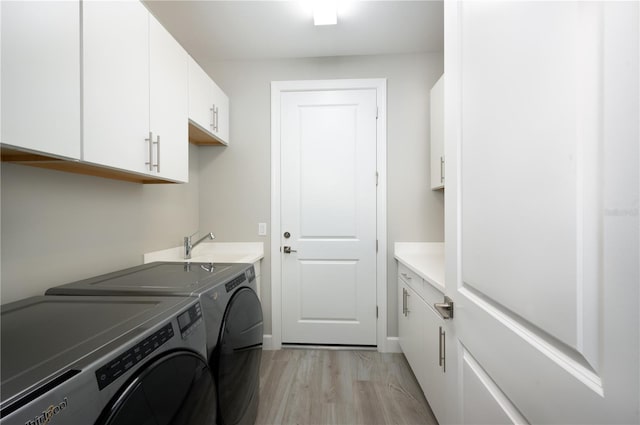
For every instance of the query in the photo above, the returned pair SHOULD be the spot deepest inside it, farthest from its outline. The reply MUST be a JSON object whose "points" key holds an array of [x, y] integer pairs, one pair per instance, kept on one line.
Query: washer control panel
{"points": [[125, 361]]}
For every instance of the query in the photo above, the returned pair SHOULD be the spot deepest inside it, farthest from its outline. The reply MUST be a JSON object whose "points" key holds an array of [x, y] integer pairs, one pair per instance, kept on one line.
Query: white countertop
{"points": [[212, 252], [426, 259]]}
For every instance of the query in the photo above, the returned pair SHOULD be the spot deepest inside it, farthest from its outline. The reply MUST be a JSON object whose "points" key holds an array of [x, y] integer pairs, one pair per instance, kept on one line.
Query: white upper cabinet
{"points": [[135, 92], [41, 77], [208, 108], [116, 84], [221, 108], [169, 108], [437, 134]]}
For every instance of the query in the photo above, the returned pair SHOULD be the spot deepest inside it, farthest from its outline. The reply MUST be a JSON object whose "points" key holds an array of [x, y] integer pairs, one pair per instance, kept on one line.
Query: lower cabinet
{"points": [[421, 335]]}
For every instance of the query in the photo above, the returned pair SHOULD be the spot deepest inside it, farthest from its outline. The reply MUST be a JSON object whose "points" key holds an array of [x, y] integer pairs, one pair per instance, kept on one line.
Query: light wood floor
{"points": [[339, 387]]}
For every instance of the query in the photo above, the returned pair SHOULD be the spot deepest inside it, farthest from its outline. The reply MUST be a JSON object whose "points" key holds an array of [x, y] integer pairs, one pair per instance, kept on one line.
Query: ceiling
{"points": [[247, 30]]}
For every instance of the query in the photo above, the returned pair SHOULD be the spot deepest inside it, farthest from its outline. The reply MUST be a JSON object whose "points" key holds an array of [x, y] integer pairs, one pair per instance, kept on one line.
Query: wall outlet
{"points": [[262, 229]]}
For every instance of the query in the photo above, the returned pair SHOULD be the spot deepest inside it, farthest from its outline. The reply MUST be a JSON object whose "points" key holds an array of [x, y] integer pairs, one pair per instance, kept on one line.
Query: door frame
{"points": [[277, 88]]}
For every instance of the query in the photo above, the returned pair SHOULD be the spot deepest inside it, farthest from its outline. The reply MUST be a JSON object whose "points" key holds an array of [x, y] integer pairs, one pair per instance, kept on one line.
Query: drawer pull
{"points": [[442, 350]]}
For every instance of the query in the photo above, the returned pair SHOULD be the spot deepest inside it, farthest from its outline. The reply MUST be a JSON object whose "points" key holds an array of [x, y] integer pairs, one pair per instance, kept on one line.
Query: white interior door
{"points": [[542, 211], [328, 210]]}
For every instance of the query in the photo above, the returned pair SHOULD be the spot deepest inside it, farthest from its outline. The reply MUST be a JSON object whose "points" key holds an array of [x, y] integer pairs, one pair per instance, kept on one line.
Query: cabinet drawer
{"points": [[423, 288]]}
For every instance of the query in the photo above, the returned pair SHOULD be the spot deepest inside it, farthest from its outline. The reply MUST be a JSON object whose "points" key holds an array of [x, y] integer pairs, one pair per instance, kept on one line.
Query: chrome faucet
{"points": [[188, 246]]}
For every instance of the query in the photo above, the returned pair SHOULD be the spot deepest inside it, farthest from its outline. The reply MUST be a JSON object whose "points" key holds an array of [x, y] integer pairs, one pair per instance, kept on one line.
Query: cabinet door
{"points": [[169, 106], [201, 94], [221, 116], [434, 386], [403, 320], [41, 76], [437, 134], [116, 84], [411, 329]]}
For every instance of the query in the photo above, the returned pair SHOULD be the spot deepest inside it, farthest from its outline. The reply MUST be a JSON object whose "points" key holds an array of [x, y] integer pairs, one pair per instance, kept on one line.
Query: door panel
{"points": [[321, 281], [534, 250], [115, 50], [329, 208], [328, 171], [512, 208], [484, 402], [41, 76], [169, 105]]}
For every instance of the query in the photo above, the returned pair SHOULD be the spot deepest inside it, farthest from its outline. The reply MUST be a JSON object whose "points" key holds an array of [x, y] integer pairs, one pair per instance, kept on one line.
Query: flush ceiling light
{"points": [[325, 12]]}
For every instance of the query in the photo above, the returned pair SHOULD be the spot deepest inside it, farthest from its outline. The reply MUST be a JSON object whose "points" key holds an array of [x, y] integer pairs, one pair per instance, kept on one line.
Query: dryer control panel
{"points": [[125, 361], [237, 281]]}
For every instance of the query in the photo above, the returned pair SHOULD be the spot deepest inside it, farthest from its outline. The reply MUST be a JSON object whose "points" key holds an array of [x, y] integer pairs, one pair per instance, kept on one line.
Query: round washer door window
{"points": [[176, 389]]}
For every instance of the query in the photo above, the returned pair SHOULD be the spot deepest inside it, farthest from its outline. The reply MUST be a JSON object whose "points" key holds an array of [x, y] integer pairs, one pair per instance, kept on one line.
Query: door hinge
{"points": [[376, 312], [376, 112], [377, 178], [376, 246]]}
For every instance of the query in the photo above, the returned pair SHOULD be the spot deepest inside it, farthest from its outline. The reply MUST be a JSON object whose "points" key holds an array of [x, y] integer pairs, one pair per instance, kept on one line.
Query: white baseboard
{"points": [[393, 345], [267, 342]]}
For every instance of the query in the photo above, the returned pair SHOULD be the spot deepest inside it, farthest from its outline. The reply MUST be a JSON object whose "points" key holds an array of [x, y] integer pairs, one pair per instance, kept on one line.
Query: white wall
{"points": [[59, 227], [235, 180]]}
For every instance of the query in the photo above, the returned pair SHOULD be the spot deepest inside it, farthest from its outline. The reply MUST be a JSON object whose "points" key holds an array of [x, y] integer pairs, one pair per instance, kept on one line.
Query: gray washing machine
{"points": [[232, 315], [105, 361]]}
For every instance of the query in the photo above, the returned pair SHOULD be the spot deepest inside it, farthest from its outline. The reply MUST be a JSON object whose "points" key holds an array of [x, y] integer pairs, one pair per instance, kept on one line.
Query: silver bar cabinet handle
{"points": [[150, 140], [442, 169], [157, 142], [404, 302], [407, 302], [442, 350]]}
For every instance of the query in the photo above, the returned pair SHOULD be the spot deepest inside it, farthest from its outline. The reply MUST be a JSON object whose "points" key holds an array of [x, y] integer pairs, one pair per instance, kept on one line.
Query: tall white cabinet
{"points": [[41, 77]]}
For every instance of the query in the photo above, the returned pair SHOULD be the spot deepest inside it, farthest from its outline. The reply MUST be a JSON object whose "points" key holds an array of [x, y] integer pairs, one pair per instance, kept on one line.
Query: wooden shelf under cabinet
{"points": [[198, 136], [61, 164]]}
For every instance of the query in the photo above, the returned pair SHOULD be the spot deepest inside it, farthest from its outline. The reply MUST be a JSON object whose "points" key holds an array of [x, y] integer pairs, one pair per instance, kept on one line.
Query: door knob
{"points": [[446, 308], [288, 250]]}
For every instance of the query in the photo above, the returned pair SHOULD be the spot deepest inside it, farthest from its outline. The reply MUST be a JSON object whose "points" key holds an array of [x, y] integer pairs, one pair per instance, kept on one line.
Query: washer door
{"points": [[237, 359], [176, 389]]}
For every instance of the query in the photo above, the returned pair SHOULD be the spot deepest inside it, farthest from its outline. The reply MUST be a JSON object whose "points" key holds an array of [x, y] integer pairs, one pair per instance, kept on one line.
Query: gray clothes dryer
{"points": [[232, 314], [105, 361]]}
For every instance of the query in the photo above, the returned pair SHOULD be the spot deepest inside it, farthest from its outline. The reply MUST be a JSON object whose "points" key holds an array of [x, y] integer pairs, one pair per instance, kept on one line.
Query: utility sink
{"points": [[212, 252]]}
